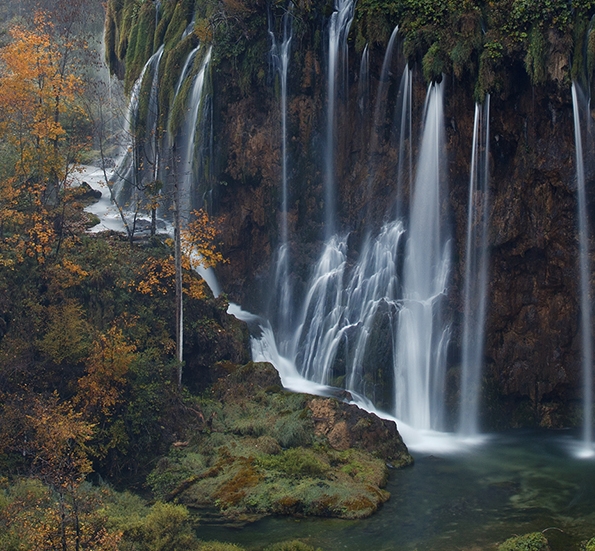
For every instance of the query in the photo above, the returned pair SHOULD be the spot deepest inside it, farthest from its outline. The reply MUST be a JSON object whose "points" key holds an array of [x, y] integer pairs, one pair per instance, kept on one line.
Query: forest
{"points": [[101, 425]]}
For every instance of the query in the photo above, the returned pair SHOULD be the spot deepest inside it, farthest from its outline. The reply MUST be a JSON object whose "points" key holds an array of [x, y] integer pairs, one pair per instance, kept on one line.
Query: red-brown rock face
{"points": [[532, 352]]}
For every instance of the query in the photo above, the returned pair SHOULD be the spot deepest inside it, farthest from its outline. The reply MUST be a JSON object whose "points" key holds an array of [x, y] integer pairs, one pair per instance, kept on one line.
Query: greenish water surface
{"points": [[511, 484]]}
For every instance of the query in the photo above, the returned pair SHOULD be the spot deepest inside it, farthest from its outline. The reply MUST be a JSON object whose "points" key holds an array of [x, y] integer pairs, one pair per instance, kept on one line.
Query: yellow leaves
{"points": [[38, 91], [74, 270], [41, 519], [40, 237], [60, 437], [198, 241], [66, 338], [156, 276], [101, 388]]}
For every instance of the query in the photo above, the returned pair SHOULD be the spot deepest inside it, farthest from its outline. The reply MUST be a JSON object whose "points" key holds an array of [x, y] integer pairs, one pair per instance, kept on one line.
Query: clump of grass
{"points": [[297, 462], [294, 545], [218, 546], [535, 541]]}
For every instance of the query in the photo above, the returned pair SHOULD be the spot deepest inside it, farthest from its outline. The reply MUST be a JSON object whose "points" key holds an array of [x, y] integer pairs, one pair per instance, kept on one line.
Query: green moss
{"points": [[296, 462], [181, 18], [218, 546], [434, 63], [535, 59], [357, 465], [179, 107], [294, 545], [172, 64], [140, 47], [243, 470], [535, 541], [290, 430], [172, 471]]}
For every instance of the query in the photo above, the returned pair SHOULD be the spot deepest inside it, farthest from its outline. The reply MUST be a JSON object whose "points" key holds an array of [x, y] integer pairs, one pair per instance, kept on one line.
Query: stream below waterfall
{"points": [[516, 482]]}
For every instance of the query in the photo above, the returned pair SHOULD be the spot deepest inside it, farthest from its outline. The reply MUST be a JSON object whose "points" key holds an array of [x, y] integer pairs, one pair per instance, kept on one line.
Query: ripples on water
{"points": [[510, 484]]}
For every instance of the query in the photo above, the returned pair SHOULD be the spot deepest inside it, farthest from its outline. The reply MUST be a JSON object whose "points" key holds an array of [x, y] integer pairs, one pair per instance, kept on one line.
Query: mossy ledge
{"points": [[259, 450]]}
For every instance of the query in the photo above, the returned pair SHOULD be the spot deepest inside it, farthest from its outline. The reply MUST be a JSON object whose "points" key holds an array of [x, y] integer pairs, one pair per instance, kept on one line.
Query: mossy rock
{"points": [[258, 451], [535, 541]]}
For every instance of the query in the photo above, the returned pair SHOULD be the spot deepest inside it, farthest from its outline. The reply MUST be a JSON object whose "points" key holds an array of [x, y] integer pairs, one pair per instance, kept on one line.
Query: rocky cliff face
{"points": [[532, 354]]}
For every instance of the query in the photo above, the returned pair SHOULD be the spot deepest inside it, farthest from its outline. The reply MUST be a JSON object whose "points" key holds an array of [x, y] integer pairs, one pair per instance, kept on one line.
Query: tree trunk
{"points": [[178, 267], [62, 522]]}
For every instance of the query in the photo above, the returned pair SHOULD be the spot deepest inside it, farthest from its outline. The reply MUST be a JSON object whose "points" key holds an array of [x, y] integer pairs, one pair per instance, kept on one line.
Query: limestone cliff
{"points": [[524, 54]]}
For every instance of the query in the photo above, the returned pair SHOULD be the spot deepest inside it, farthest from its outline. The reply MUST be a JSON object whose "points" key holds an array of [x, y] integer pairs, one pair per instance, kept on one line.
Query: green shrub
{"points": [[218, 546], [290, 431], [296, 462], [294, 545], [534, 541]]}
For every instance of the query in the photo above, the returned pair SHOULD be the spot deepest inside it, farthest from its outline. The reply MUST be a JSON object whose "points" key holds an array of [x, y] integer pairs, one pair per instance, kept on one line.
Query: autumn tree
{"points": [[196, 247], [101, 389], [38, 93], [54, 437]]}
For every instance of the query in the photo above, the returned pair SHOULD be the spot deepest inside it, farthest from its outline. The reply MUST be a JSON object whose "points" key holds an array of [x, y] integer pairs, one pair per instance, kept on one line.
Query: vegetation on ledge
{"points": [[259, 450]]}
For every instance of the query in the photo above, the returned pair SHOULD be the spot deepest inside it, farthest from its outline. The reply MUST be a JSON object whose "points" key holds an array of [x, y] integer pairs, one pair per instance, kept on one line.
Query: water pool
{"points": [[514, 483]]}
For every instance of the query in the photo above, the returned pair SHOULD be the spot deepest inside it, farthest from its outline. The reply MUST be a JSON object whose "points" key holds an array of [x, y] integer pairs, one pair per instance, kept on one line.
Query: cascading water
{"points": [[345, 309], [379, 121], [423, 335], [363, 325], [280, 60], [339, 25], [187, 173], [185, 70], [383, 85], [584, 273], [404, 122], [363, 85], [126, 171], [150, 162], [476, 274], [322, 318]]}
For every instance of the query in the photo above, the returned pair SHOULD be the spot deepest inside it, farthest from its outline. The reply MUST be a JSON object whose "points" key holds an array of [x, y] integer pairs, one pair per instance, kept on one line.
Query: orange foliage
{"points": [[199, 241], [60, 437], [35, 88], [156, 276], [38, 90], [46, 521], [199, 244], [101, 388]]}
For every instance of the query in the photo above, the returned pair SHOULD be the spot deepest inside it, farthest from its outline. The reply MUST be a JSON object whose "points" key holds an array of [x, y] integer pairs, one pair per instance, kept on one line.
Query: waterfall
{"points": [[363, 85], [476, 274], [339, 24], [185, 70], [379, 120], [151, 141], [280, 60], [187, 172], [344, 310], [125, 172], [404, 122], [322, 320], [422, 336], [584, 274], [383, 85]]}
